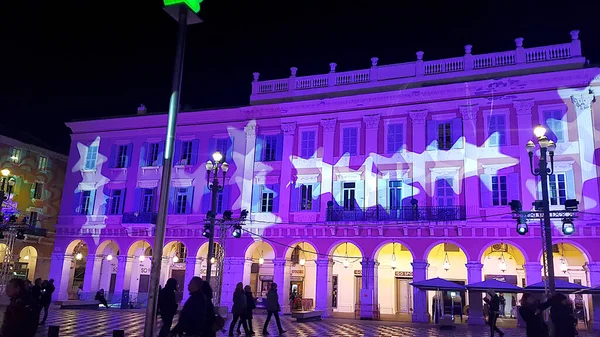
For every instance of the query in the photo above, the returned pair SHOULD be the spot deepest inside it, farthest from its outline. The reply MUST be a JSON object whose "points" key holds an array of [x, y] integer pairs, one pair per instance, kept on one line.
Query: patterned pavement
{"points": [[97, 323]]}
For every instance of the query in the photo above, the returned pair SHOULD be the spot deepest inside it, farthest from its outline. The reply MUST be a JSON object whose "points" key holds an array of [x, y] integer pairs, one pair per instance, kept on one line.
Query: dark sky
{"points": [[68, 60]]}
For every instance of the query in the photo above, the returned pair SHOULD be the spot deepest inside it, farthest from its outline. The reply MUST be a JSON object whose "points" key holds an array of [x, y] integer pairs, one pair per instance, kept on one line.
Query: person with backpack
{"points": [[21, 316]]}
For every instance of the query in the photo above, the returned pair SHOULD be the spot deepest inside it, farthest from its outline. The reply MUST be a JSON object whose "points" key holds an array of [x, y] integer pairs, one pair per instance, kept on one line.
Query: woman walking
{"points": [[273, 309], [239, 309], [533, 317], [167, 306], [561, 312], [250, 306], [494, 302]]}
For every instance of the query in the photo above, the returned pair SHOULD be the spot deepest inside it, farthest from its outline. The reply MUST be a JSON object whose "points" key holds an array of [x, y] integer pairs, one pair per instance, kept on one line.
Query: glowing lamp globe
{"points": [[78, 256], [539, 131], [109, 257], [142, 258], [26, 257], [346, 264], [217, 157], [502, 266], [261, 261], [212, 260], [175, 259], [446, 266], [5, 172], [563, 265], [302, 261], [394, 264]]}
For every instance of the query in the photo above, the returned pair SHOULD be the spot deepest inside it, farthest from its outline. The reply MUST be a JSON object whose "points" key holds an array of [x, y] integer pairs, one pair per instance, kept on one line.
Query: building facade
{"points": [[32, 179], [360, 182]]}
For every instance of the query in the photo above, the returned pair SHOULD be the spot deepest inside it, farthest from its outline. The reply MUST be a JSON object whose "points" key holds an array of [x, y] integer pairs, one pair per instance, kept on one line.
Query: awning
{"points": [[560, 286], [497, 286], [438, 284]]}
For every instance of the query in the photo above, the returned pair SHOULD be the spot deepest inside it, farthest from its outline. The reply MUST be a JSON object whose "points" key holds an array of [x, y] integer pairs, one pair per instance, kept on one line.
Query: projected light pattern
{"points": [[340, 188]]}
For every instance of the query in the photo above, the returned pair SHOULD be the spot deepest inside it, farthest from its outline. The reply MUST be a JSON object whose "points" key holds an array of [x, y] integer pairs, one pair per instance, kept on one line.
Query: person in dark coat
{"points": [[21, 316], [192, 318], [167, 306], [100, 297], [250, 306], [239, 309], [561, 312], [211, 315], [46, 298], [36, 294], [493, 300], [532, 316], [273, 309]]}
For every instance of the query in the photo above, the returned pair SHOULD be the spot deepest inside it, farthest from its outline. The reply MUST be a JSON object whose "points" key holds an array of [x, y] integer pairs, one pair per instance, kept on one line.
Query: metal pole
{"points": [[543, 167], [159, 233], [213, 209]]}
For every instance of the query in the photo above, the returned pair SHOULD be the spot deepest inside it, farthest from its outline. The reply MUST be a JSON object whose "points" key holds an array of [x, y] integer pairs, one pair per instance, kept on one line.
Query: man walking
{"points": [[273, 309]]}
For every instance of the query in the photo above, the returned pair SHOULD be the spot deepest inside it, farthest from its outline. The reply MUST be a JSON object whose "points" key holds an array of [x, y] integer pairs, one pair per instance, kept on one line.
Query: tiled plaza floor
{"points": [[96, 323]]}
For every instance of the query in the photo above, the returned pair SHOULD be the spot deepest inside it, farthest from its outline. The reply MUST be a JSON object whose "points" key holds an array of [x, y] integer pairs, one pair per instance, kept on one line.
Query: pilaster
{"points": [[57, 263], [281, 276], [233, 269], [533, 272], [469, 116], [325, 286], [91, 276], [371, 137], [190, 271], [368, 293], [525, 126], [122, 278], [285, 183], [474, 275], [420, 314], [328, 126], [593, 269], [419, 140], [250, 131]]}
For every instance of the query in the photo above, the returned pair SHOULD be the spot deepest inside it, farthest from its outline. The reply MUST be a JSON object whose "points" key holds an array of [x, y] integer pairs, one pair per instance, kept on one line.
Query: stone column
{"points": [[250, 130], [122, 279], [469, 116], [327, 167], [285, 181], [589, 196], [533, 272], [528, 192], [368, 299], [56, 273], [165, 271], [593, 269], [474, 275], [420, 314], [281, 276], [371, 138], [247, 271], [419, 140], [91, 276], [190, 271], [324, 285], [233, 269]]}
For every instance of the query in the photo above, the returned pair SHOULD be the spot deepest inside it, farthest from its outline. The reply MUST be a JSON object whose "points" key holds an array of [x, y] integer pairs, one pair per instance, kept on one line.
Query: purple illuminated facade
{"points": [[328, 165]]}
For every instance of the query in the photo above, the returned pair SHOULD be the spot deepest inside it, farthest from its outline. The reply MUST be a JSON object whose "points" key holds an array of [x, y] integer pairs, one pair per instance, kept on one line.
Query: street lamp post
{"points": [[212, 172], [547, 147]]}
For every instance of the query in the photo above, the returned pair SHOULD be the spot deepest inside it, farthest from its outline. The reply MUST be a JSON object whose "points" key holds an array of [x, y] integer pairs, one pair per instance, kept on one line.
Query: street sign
{"points": [[194, 5]]}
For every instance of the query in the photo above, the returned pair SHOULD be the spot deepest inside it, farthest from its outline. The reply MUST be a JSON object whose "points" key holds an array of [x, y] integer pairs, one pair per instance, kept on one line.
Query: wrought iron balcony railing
{"points": [[402, 214], [137, 217]]}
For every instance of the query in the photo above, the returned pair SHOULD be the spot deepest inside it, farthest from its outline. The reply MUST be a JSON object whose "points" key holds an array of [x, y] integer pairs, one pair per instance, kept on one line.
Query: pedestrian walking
{"points": [[502, 305], [563, 318], [532, 314], [192, 318], [21, 316], [239, 309], [36, 295], [273, 309], [47, 291], [250, 306], [167, 306], [214, 322], [493, 300]]}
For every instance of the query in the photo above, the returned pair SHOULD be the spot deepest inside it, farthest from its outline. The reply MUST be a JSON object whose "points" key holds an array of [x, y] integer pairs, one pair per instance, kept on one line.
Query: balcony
{"points": [[35, 231], [403, 214], [139, 218]]}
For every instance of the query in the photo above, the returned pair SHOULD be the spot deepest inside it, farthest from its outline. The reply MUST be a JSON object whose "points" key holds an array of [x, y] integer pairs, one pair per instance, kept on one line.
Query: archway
{"points": [[504, 262], [27, 263], [108, 251], [394, 277], [258, 269], [216, 260], [173, 266], [75, 261], [138, 268], [448, 261], [347, 279], [301, 291]]}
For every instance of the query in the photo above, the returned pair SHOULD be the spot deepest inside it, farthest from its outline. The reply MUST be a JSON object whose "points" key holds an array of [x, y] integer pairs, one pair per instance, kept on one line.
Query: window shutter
{"points": [[432, 133], [107, 201], [275, 189], [161, 152], [570, 181], [189, 199], [337, 193], [485, 188], [279, 147], [456, 128], [77, 203], [144, 155], [137, 199], [171, 200], [316, 196], [407, 192], [49, 163], [256, 198], [177, 152], [122, 201], [229, 154], [32, 191], [113, 156], [382, 192], [513, 187], [206, 200], [258, 149], [92, 202], [212, 147], [295, 196], [194, 159], [360, 194], [129, 154]]}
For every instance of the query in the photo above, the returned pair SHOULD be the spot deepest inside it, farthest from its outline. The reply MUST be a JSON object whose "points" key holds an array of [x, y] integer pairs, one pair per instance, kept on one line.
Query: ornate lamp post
{"points": [[547, 147], [213, 168]]}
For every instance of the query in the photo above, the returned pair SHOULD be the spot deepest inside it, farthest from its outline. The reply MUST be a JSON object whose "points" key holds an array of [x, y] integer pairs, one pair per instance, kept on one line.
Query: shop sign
{"points": [[266, 277], [358, 272], [404, 274]]}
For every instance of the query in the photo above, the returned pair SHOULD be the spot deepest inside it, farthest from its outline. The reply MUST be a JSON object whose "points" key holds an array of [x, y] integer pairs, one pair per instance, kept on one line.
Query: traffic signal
{"points": [[568, 227]]}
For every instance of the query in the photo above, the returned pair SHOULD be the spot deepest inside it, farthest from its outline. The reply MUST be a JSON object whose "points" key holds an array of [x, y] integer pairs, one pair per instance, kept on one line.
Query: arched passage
{"points": [[74, 268], [347, 278], [569, 263], [448, 261], [394, 277], [258, 269], [107, 251], [174, 266], [139, 266], [28, 261], [302, 287], [216, 260]]}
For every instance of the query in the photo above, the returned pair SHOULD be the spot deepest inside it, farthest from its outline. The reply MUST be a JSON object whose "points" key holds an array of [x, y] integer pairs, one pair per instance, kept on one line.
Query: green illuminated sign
{"points": [[194, 5]]}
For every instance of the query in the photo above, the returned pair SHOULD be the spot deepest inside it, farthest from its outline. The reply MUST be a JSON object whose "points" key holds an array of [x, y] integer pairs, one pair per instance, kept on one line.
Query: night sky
{"points": [[72, 60]]}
